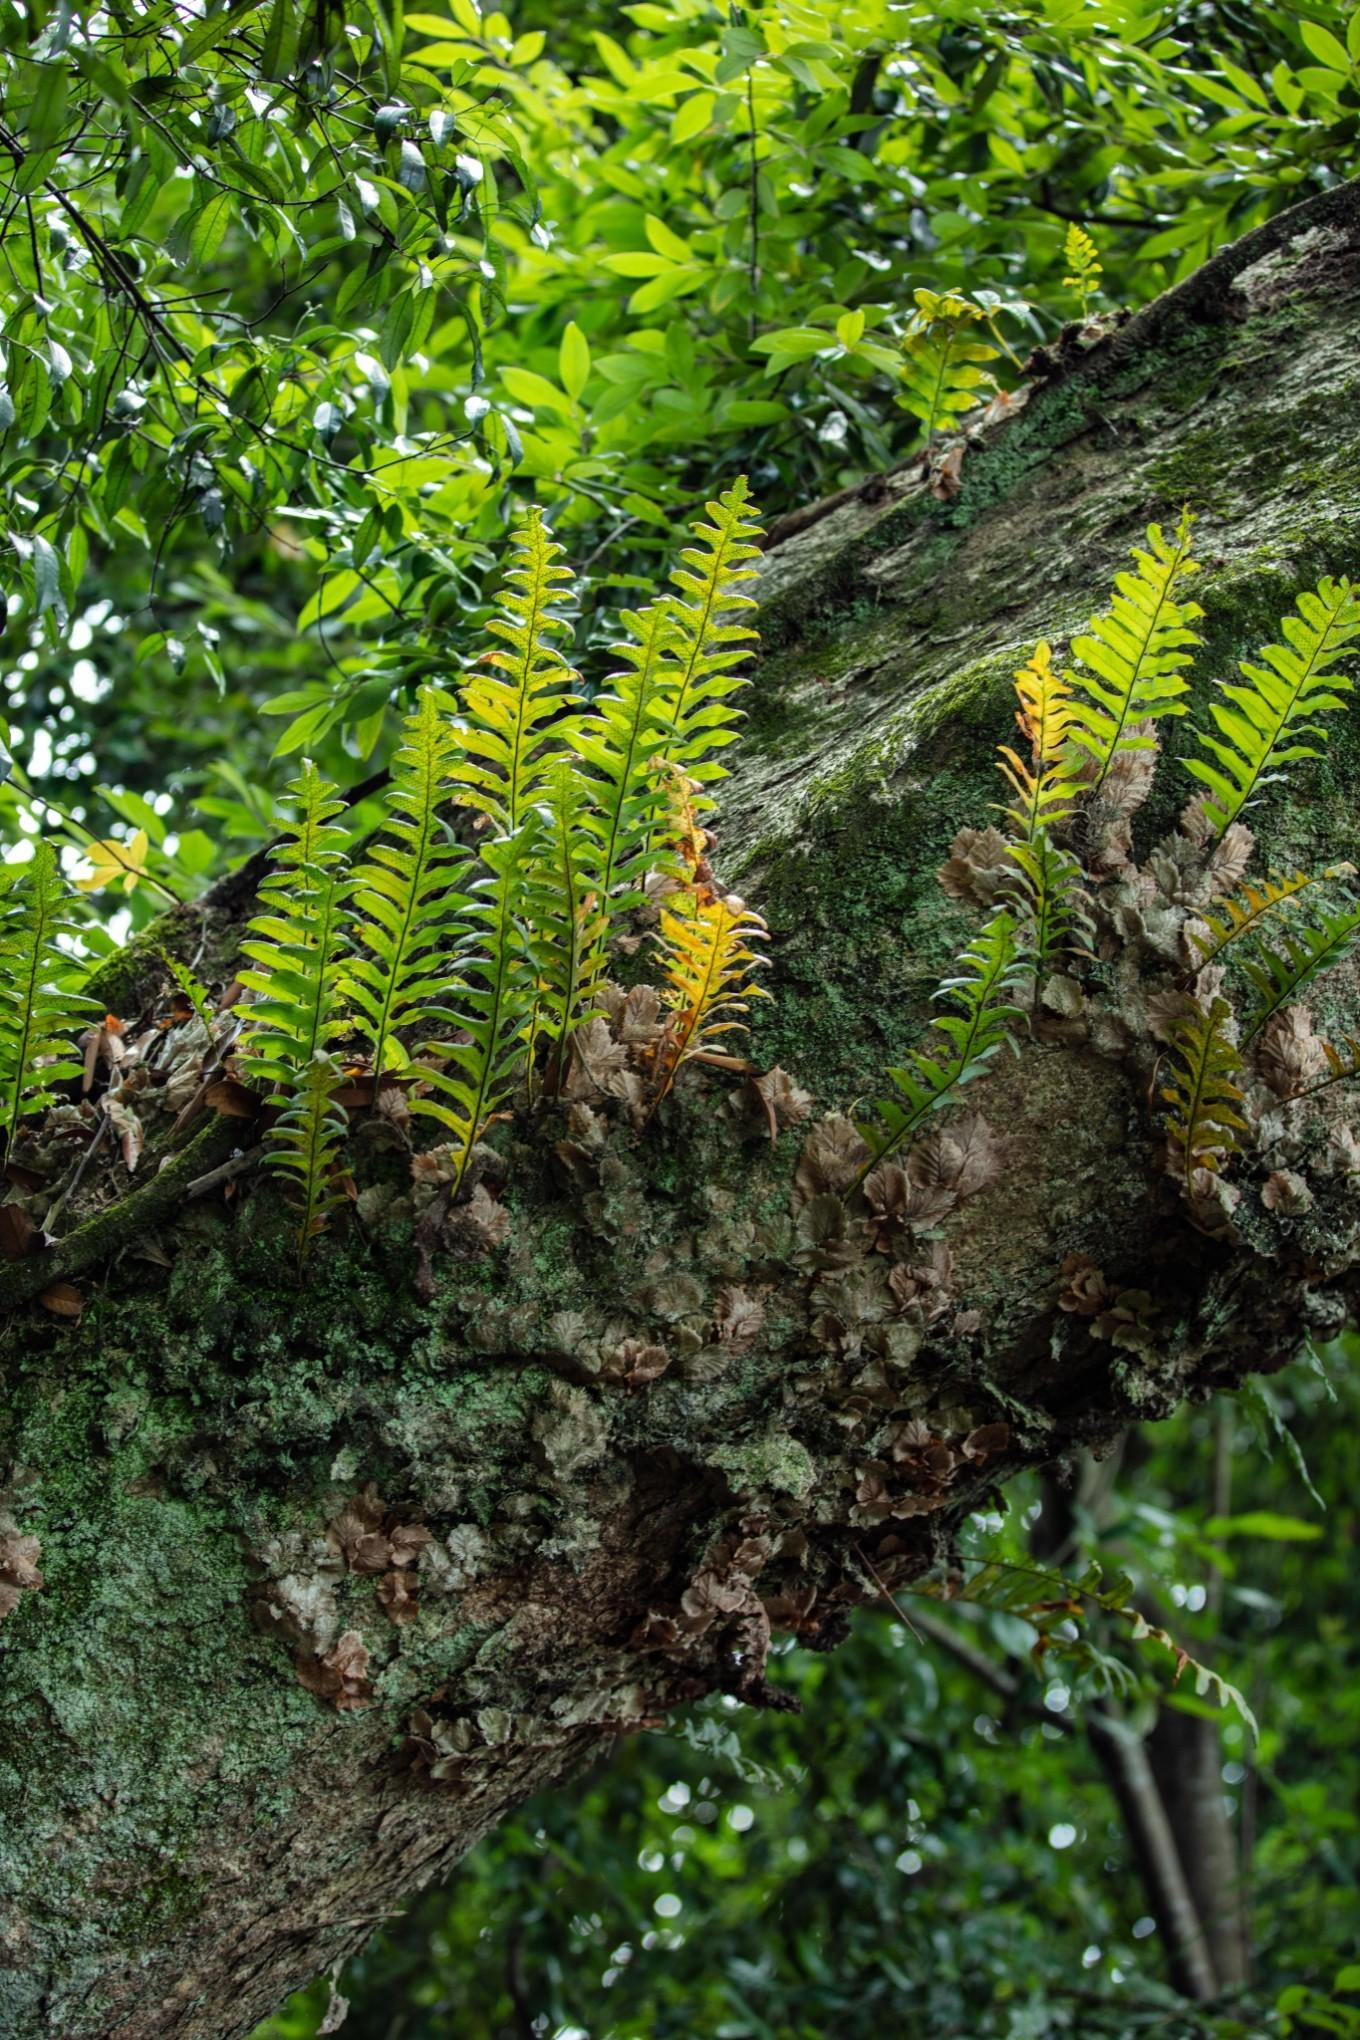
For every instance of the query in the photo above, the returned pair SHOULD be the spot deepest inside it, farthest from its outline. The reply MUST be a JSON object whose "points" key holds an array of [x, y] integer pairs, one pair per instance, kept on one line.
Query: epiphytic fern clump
{"points": [[469, 946], [1064, 889]]}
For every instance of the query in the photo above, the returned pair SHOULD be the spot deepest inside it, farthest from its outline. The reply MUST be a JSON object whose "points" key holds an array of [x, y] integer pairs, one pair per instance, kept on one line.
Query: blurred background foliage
{"points": [[916, 1853], [298, 301]]}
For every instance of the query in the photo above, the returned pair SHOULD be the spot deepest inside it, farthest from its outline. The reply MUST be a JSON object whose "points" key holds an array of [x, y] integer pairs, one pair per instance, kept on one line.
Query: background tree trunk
{"points": [[223, 1759]]}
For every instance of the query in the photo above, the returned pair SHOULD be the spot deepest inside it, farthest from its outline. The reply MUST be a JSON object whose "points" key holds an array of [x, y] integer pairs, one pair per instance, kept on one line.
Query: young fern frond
{"points": [[511, 698], [1135, 655], [960, 1044], [945, 370], [295, 944], [304, 1145], [1343, 1064], [1054, 922], [471, 1080], [39, 1009], [1084, 265], [1247, 911], [1203, 1121], [405, 894], [192, 989], [1272, 721], [563, 893], [708, 635], [708, 984], [1305, 951]]}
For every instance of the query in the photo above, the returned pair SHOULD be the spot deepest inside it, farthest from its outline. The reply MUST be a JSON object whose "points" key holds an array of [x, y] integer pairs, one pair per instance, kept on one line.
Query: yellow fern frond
{"points": [[708, 984], [1204, 1123], [1084, 265], [1048, 718]]}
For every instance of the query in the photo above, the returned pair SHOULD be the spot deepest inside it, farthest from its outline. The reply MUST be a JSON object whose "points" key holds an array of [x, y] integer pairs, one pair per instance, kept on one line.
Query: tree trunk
{"points": [[333, 1576]]}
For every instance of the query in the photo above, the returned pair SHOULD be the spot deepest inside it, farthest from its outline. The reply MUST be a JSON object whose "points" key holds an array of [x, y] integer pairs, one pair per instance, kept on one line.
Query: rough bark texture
{"points": [[187, 1829]]}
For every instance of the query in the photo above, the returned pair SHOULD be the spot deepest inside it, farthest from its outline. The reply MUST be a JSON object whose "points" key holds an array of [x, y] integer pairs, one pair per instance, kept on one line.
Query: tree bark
{"points": [[333, 1576]]}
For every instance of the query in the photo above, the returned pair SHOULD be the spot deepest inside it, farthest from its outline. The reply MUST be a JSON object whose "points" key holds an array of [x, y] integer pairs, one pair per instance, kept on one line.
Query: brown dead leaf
{"points": [[17, 1232], [231, 1099], [832, 1158], [979, 868], [63, 1299]]}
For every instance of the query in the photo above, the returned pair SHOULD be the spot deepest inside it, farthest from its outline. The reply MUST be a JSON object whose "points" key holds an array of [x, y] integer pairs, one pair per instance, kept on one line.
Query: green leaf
{"points": [[1263, 1523], [573, 361]]}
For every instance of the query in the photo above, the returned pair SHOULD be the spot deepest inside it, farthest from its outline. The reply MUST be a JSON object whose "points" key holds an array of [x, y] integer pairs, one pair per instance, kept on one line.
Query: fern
{"points": [[1305, 951], [405, 893], [1343, 1064], [1054, 920], [1247, 912], [707, 638], [1135, 655], [567, 926], [945, 369], [708, 986], [1083, 261], [1045, 790], [959, 1045], [193, 989], [39, 1010], [304, 1144], [1272, 721], [295, 944], [466, 1082], [509, 709], [619, 743], [1204, 1123]]}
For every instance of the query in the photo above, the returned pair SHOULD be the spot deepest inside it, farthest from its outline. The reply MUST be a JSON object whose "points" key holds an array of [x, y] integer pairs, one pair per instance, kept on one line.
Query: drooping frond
{"points": [[708, 634], [1305, 950], [405, 894], [512, 697], [708, 983], [304, 1145], [1084, 265], [471, 1080], [40, 1006], [295, 944], [1248, 911], [1203, 1121], [959, 1045], [565, 920], [1045, 788], [945, 370], [1052, 923], [1136, 653], [1272, 720]]}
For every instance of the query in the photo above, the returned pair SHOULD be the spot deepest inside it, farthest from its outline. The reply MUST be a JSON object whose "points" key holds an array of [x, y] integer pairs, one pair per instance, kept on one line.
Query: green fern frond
{"points": [[945, 370], [1272, 721], [708, 983], [1135, 655], [1084, 265], [960, 1044], [1305, 951], [304, 1145], [40, 1009], [1247, 911], [563, 894], [470, 1080], [512, 698], [707, 636], [405, 894], [193, 989], [1053, 923], [296, 943], [619, 742], [1203, 1121]]}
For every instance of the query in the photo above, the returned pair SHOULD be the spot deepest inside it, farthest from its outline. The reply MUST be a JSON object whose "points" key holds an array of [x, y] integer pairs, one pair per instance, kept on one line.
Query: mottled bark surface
{"points": [[334, 1576]]}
